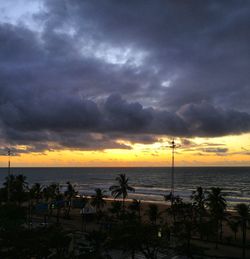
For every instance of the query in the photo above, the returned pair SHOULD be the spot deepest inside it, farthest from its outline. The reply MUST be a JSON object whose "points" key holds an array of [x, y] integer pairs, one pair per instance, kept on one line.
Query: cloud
{"points": [[78, 68], [206, 120], [215, 150], [73, 122]]}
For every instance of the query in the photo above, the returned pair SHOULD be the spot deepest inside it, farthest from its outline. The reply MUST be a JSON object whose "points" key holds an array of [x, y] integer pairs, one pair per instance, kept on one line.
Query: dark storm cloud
{"points": [[126, 70], [201, 47], [205, 120]]}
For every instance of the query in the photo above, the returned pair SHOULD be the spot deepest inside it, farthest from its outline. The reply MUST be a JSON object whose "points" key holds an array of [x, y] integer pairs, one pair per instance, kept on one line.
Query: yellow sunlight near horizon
{"points": [[219, 151]]}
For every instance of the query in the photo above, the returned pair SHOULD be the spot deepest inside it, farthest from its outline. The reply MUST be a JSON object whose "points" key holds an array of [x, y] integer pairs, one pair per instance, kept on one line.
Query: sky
{"points": [[111, 83]]}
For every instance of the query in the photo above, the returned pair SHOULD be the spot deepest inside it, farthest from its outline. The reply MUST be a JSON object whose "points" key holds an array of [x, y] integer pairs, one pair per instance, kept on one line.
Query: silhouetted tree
{"points": [[98, 199], [35, 195], [184, 227], [198, 201], [94, 246], [121, 190], [17, 188], [176, 203], [116, 208], [217, 205], [243, 217], [152, 213], [53, 195], [133, 236], [135, 207], [35, 192], [234, 226], [68, 195]]}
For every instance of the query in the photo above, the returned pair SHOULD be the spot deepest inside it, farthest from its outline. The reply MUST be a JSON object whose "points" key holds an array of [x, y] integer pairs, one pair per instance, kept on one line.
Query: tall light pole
{"points": [[173, 146], [9, 154]]}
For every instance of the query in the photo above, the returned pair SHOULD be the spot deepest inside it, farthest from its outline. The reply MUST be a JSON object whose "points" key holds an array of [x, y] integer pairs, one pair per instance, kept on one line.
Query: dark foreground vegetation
{"points": [[33, 223]]}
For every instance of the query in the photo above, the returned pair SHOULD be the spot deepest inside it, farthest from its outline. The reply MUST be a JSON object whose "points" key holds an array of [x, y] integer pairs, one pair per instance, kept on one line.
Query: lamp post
{"points": [[173, 146], [9, 153]]}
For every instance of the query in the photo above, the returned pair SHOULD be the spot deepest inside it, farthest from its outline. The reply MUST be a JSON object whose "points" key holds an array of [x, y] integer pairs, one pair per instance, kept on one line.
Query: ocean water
{"points": [[150, 183]]}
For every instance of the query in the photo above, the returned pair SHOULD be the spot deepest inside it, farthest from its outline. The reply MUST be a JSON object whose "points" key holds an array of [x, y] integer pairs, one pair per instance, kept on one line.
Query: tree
{"points": [[243, 217], [69, 194], [116, 208], [49, 192], [94, 246], [198, 201], [133, 236], [125, 237], [98, 201], [12, 219], [176, 203], [234, 226], [53, 195], [17, 188], [59, 241], [153, 213], [35, 194], [121, 190], [135, 207], [184, 227], [217, 205]]}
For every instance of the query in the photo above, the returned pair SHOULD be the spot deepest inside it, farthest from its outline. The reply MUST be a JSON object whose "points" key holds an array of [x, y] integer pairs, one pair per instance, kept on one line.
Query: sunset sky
{"points": [[111, 83]]}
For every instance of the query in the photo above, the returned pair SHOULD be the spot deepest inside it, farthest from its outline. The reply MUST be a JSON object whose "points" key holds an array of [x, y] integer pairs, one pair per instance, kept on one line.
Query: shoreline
{"points": [[201, 166], [158, 203]]}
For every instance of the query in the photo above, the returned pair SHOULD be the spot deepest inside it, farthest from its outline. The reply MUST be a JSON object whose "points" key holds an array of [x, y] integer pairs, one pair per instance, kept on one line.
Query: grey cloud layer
{"points": [[128, 70]]}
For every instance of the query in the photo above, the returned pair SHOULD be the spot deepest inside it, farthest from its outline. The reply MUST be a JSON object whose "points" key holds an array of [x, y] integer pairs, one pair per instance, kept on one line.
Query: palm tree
{"points": [[217, 205], [234, 225], [176, 204], [244, 215], [53, 195], [59, 201], [35, 194], [121, 189], [198, 203], [69, 194], [153, 213], [17, 186], [98, 199], [135, 207], [115, 209]]}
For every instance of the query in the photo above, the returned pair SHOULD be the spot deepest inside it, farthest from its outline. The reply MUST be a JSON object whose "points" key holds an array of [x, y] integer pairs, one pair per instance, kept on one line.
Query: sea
{"points": [[150, 183]]}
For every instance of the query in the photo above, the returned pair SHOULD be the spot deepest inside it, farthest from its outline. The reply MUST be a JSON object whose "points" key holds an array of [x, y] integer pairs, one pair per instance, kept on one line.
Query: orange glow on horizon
{"points": [[231, 151]]}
